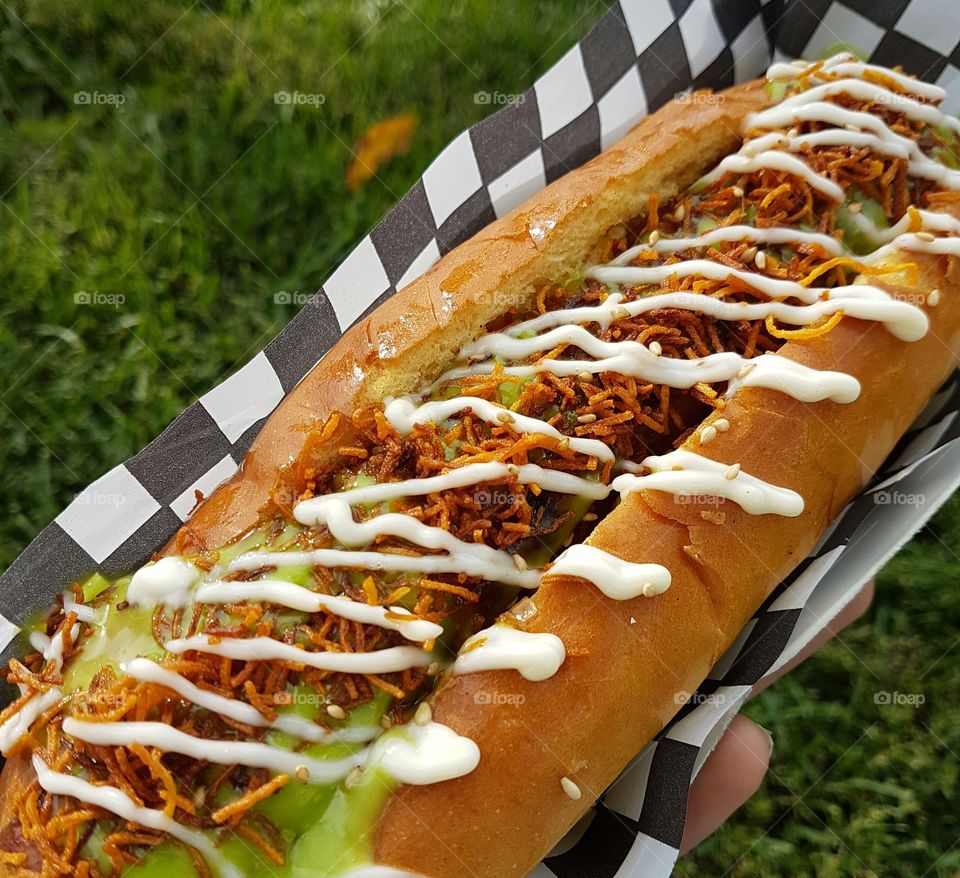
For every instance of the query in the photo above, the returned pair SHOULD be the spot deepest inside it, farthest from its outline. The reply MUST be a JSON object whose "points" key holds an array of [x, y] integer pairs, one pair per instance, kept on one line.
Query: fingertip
{"points": [[730, 776]]}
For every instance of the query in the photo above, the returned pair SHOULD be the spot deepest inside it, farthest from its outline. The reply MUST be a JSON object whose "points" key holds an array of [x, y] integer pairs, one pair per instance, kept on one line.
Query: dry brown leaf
{"points": [[379, 144]]}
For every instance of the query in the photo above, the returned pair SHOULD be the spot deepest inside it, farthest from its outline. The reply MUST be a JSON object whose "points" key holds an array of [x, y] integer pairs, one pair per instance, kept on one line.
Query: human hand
{"points": [[736, 768]]}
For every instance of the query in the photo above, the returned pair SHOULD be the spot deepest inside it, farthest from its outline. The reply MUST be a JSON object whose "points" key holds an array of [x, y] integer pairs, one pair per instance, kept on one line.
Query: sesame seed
{"points": [[933, 297], [353, 777], [590, 516], [423, 715], [564, 443], [505, 418], [519, 562], [585, 376], [336, 711], [302, 773], [513, 469], [655, 348], [732, 471], [925, 236], [722, 425], [588, 418], [746, 370], [708, 434], [760, 260], [793, 132], [654, 237], [679, 214], [570, 788], [619, 313], [748, 254], [738, 192], [855, 207], [386, 722], [650, 589]]}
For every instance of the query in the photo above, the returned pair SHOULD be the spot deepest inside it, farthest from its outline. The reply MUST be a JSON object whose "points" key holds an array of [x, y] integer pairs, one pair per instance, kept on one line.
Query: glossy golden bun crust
{"points": [[554, 233], [626, 660]]}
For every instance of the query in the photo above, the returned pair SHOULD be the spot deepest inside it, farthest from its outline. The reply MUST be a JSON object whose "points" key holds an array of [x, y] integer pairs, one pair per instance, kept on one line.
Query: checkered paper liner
{"points": [[641, 54]]}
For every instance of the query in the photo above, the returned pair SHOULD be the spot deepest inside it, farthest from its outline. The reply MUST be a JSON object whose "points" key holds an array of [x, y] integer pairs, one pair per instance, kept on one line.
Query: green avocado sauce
{"points": [[326, 829]]}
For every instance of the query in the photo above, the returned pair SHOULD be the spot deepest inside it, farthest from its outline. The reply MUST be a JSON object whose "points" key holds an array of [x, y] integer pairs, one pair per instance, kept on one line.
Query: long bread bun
{"points": [[626, 660]]}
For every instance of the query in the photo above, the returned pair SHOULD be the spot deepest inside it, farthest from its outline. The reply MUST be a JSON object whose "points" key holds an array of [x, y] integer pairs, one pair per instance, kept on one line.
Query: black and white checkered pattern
{"points": [[640, 55]]}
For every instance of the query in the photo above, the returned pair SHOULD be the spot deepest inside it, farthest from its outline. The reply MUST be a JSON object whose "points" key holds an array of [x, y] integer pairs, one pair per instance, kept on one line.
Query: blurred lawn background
{"points": [[199, 199]]}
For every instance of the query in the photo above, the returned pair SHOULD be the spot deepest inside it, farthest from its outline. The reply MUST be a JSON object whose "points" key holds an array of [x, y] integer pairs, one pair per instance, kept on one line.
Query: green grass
{"points": [[200, 199]]}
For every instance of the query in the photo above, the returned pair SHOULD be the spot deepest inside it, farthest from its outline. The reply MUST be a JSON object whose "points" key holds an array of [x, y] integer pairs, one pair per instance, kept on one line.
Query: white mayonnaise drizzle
{"points": [[930, 220], [411, 754], [777, 161], [847, 64], [685, 474], [249, 753], [15, 727], [52, 648], [637, 360], [118, 802], [403, 414], [867, 91], [910, 241], [328, 508], [84, 613], [168, 581], [776, 235], [296, 597], [502, 647], [266, 649], [617, 579], [298, 726], [863, 301], [424, 754], [472, 559]]}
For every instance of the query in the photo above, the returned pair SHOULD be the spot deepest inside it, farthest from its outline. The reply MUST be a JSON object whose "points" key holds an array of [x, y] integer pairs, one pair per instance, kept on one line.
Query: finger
{"points": [[847, 616], [732, 773]]}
